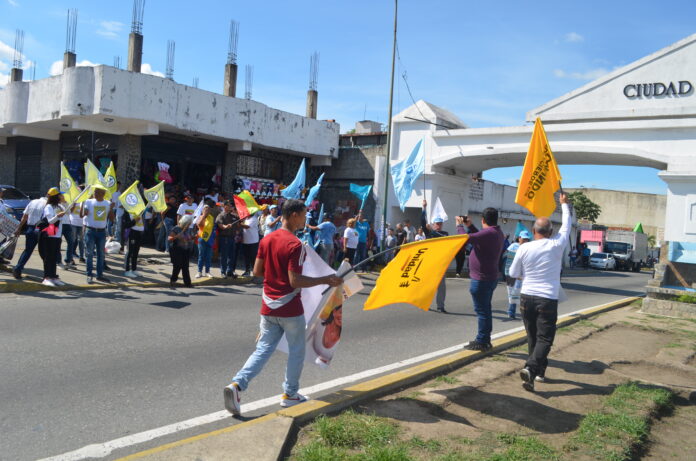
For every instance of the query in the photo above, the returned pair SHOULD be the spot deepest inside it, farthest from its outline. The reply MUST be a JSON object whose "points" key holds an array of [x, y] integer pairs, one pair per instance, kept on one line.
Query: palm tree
{"points": [[651, 241]]}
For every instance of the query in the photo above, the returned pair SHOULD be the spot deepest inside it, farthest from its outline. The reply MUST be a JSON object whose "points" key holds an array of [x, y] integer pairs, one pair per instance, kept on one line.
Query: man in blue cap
{"points": [[435, 232], [514, 285]]}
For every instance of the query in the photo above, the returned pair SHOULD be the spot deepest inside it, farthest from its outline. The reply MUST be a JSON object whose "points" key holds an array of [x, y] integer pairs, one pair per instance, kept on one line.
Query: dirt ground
{"points": [[588, 360]]}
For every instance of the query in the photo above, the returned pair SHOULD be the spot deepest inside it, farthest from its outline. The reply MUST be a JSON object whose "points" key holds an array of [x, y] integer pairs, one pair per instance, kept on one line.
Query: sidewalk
{"points": [[458, 402], [154, 266]]}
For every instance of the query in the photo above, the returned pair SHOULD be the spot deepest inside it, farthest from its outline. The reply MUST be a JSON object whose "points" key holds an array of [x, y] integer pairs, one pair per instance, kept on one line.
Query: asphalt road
{"points": [[80, 368]]}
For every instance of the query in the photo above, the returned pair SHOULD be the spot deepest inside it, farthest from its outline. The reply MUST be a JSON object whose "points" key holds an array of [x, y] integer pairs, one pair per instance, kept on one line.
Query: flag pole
{"points": [[389, 131]]}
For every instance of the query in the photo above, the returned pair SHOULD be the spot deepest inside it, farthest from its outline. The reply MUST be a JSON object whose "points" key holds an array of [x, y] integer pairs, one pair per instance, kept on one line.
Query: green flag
{"points": [[639, 228]]}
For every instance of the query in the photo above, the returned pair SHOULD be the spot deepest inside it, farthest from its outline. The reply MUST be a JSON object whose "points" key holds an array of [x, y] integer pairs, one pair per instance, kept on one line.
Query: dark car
{"points": [[15, 199]]}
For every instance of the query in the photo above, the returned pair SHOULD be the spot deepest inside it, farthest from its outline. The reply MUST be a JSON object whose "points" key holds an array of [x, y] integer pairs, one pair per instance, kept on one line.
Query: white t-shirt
{"points": [[139, 225], [75, 219], [186, 209], [352, 236], [538, 263], [96, 213], [251, 235], [118, 208], [50, 213], [66, 217], [35, 211]]}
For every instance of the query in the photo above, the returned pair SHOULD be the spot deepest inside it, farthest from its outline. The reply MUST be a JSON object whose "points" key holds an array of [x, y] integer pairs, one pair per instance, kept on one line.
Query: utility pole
{"points": [[389, 131]]}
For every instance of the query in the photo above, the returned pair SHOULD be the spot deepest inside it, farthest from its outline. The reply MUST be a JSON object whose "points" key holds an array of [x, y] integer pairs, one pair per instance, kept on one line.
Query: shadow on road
{"points": [[601, 290]]}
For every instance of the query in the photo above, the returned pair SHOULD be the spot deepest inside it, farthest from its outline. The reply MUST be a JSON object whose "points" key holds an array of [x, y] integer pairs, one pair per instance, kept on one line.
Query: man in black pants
{"points": [[538, 264], [180, 244]]}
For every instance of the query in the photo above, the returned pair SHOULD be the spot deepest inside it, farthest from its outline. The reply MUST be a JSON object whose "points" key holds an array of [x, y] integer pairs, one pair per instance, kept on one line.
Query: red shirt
{"points": [[281, 252]]}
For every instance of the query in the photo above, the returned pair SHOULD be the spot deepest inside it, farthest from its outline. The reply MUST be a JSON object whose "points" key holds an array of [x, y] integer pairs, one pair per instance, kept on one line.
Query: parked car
{"points": [[15, 200], [604, 261]]}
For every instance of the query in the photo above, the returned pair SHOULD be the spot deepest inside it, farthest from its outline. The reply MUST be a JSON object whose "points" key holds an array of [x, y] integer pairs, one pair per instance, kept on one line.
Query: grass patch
{"points": [[355, 430], [616, 430], [499, 358], [431, 446], [673, 345], [691, 299], [445, 379], [413, 395]]}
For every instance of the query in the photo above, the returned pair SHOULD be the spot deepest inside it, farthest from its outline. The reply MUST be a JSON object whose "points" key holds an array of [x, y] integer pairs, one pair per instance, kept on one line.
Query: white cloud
{"points": [[57, 66], [573, 37], [110, 29], [4, 79], [146, 68], [13, 2], [591, 74]]}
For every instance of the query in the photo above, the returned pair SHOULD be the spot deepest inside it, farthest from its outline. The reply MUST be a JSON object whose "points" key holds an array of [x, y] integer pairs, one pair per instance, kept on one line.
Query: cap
{"points": [[525, 235], [187, 194], [438, 220], [272, 206], [53, 191], [98, 187]]}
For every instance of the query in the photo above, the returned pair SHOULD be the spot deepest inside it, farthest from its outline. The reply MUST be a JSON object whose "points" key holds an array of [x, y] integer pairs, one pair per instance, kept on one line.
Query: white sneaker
{"points": [[209, 275], [136, 273], [90, 280], [48, 283], [62, 266], [287, 401], [58, 282], [130, 274], [233, 402], [198, 275]]}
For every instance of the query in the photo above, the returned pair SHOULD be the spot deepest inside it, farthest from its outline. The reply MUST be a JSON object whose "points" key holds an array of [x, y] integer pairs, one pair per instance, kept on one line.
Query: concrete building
{"points": [[643, 114], [137, 120], [623, 210]]}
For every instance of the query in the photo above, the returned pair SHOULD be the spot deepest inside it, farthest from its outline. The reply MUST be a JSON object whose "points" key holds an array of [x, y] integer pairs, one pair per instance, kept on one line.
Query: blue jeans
{"points": [[272, 329], [228, 255], [70, 237], [205, 254], [168, 225], [360, 253], [95, 238], [31, 240], [482, 293]]}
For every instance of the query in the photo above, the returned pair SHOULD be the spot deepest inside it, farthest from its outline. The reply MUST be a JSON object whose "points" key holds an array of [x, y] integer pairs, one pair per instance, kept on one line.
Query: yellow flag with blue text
{"points": [[131, 200], [68, 187], [414, 274], [540, 176], [155, 197], [110, 181]]}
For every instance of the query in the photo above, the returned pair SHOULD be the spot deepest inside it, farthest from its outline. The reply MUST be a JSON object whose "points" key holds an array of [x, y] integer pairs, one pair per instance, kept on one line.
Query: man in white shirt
{"points": [[96, 212], [539, 264], [31, 217], [250, 242], [186, 208]]}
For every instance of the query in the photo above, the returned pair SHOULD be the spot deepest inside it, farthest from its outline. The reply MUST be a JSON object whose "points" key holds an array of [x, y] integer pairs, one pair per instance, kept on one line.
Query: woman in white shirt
{"points": [[350, 240], [49, 238]]}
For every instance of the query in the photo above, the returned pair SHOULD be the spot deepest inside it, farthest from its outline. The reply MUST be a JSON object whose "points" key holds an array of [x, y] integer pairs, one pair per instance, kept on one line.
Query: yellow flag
{"points": [[92, 175], [131, 200], [155, 197], [68, 187], [415, 272], [540, 176], [110, 181]]}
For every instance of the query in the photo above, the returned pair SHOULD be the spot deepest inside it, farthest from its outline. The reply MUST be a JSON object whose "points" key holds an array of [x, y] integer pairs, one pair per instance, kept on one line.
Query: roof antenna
{"points": [[248, 81], [171, 46]]}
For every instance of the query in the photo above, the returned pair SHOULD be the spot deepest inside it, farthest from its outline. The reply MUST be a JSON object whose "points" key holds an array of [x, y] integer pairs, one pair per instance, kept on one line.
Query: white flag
{"points": [[438, 211]]}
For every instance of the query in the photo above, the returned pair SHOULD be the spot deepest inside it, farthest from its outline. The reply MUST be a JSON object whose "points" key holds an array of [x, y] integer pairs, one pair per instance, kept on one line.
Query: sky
{"points": [[487, 62]]}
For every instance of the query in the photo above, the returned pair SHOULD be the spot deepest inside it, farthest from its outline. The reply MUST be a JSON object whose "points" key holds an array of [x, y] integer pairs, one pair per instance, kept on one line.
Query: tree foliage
{"points": [[584, 207], [652, 241]]}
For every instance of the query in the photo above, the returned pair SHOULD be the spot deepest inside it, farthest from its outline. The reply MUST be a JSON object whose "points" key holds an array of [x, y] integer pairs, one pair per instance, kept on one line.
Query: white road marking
{"points": [[104, 449]]}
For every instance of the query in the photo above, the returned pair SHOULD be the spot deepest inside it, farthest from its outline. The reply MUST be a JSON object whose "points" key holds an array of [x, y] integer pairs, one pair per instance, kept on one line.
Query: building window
{"points": [[248, 165]]}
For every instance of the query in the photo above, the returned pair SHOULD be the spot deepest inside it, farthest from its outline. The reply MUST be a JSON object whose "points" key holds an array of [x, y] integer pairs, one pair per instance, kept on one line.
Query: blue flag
{"points": [[520, 228], [405, 173], [361, 192], [314, 191], [294, 190]]}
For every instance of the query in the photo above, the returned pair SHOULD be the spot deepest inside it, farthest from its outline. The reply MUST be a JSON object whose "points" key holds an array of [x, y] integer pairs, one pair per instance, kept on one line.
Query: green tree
{"points": [[584, 207], [652, 241]]}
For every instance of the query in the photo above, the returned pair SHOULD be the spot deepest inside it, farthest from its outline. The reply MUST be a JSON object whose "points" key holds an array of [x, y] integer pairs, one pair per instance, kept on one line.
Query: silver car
{"points": [[604, 261]]}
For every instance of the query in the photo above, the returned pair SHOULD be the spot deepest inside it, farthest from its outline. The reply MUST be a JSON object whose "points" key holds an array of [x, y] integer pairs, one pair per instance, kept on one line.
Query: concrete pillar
{"points": [[135, 52], [16, 75], [8, 161], [69, 60], [229, 171], [129, 159], [50, 164], [230, 88], [312, 99]]}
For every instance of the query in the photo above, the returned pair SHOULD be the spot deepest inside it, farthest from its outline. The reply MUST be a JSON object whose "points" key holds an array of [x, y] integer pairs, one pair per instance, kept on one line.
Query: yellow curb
{"points": [[343, 398]]}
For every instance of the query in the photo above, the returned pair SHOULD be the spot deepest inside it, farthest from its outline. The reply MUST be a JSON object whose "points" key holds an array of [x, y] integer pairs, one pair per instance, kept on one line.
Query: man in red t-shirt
{"points": [[279, 262]]}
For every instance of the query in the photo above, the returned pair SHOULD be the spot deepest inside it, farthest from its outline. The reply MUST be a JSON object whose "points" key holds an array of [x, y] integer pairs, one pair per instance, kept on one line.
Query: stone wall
{"points": [[129, 159], [8, 161], [50, 165]]}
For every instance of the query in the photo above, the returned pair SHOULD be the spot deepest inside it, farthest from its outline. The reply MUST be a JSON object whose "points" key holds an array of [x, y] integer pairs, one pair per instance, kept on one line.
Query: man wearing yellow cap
{"points": [[96, 212]]}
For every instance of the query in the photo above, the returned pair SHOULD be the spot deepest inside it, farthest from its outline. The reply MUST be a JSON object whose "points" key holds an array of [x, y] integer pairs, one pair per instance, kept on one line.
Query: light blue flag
{"points": [[362, 192], [520, 227], [314, 191], [320, 220], [294, 190], [405, 173]]}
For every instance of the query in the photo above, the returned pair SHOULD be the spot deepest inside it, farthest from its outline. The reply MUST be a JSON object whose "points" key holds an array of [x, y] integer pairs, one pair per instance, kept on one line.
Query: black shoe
{"points": [[442, 311], [512, 317], [82, 260], [16, 274], [188, 285], [103, 279], [477, 346], [172, 285], [527, 379], [246, 274], [106, 268]]}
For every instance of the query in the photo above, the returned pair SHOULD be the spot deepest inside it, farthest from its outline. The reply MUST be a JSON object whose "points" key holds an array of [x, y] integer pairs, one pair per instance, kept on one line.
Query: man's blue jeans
{"points": [[482, 293], [31, 240], [272, 329], [95, 238], [70, 237], [228, 255], [167, 228], [360, 253], [205, 254]]}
